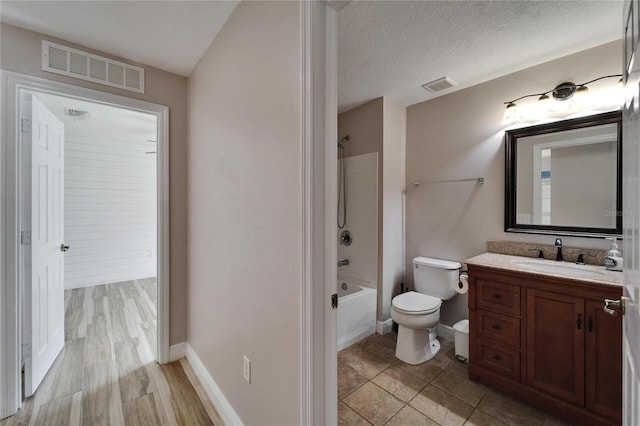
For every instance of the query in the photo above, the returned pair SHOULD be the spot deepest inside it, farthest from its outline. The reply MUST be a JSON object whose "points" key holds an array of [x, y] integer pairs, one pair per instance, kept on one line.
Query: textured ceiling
{"points": [[170, 35], [386, 48], [391, 48]]}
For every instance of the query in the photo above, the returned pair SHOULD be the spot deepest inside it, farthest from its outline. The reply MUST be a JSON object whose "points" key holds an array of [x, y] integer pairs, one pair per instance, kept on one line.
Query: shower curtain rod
{"points": [[418, 183]]}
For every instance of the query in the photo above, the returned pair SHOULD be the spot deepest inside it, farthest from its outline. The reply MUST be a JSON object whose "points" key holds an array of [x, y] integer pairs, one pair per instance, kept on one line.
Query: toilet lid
{"points": [[416, 303]]}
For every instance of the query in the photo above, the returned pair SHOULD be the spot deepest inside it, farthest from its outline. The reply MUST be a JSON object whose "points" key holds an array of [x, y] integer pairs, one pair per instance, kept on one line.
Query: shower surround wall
{"points": [[379, 127], [362, 220]]}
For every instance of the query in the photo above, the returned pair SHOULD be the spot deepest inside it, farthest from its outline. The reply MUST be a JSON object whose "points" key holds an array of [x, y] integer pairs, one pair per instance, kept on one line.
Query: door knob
{"points": [[612, 307], [63, 247]]}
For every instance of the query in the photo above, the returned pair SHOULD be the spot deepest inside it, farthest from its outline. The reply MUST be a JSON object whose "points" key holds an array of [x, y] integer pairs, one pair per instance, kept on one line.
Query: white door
{"points": [[631, 217], [44, 289]]}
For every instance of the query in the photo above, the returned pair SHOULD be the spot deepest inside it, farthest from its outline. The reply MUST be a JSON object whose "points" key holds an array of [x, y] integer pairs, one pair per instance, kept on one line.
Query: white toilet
{"points": [[418, 312]]}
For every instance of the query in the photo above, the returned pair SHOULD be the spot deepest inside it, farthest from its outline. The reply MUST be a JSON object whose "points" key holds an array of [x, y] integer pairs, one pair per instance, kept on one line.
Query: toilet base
{"points": [[416, 346]]}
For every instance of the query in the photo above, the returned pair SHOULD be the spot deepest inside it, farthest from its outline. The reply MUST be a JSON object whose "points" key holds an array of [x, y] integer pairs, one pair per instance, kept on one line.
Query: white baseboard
{"points": [[446, 332], [384, 327], [224, 408], [177, 351]]}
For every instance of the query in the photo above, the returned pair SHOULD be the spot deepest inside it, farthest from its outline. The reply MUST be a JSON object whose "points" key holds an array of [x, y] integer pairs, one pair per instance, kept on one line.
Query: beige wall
{"points": [[380, 126], [245, 211], [21, 53], [364, 125], [459, 136]]}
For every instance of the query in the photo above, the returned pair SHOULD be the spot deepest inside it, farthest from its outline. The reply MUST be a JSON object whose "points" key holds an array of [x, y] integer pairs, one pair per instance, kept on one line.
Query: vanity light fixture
{"points": [[562, 92]]}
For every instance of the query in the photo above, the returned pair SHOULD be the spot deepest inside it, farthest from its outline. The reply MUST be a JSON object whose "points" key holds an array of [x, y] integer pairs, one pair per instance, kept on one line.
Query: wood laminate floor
{"points": [[107, 374]]}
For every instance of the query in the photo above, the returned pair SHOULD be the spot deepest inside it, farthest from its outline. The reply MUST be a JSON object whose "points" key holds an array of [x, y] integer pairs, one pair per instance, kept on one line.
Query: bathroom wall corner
{"points": [[393, 186]]}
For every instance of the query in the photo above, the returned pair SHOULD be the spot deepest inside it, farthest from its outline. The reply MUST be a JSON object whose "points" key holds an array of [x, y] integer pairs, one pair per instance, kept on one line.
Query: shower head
{"points": [[342, 141]]}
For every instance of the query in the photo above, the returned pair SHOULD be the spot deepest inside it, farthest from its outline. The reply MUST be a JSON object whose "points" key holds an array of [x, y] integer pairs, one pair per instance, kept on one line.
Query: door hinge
{"points": [[26, 350], [25, 237], [334, 300], [25, 125]]}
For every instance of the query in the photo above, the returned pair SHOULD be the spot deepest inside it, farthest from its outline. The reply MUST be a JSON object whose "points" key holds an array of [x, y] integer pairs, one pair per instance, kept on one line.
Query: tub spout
{"points": [[343, 262]]}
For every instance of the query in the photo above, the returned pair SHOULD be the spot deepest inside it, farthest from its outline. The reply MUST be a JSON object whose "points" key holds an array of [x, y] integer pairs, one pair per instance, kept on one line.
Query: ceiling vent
{"points": [[76, 113], [75, 63], [439, 84]]}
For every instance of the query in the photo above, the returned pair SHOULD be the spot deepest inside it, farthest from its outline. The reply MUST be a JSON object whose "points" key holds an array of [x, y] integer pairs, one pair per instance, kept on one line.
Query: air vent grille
{"points": [[98, 69], [86, 66], [76, 113], [116, 74], [78, 63], [439, 84], [57, 59]]}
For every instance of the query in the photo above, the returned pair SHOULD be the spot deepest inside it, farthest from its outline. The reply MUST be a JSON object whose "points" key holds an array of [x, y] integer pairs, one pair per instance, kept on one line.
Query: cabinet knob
{"points": [[497, 296], [496, 357], [496, 327], [579, 321]]}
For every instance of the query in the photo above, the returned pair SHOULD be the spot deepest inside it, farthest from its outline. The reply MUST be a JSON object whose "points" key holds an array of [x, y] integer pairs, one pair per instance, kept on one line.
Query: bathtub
{"points": [[356, 312]]}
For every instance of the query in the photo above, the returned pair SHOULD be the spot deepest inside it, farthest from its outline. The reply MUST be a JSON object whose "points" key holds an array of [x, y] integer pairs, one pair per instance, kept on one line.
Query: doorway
{"points": [[96, 270], [101, 223]]}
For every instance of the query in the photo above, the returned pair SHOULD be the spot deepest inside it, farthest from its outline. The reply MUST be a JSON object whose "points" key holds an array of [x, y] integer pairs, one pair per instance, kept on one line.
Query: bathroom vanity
{"points": [[538, 331]]}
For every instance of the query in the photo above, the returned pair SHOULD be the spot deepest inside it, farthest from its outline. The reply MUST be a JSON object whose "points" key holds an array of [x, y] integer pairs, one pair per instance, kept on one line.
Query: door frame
{"points": [[319, 129], [11, 185]]}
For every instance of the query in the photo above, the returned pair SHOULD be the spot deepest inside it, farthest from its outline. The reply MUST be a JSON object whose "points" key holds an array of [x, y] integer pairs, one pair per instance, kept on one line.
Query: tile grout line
{"points": [[434, 382], [427, 383]]}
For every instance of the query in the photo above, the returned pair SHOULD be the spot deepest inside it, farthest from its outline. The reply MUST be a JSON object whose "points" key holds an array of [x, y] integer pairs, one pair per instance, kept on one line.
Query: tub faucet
{"points": [[558, 245], [343, 262]]}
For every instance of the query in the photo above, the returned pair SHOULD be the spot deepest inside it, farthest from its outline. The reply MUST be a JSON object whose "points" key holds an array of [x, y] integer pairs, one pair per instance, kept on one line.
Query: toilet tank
{"points": [[435, 277]]}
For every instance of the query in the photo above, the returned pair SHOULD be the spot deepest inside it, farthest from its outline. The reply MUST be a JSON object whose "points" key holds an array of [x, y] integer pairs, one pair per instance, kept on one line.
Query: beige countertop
{"points": [[548, 268]]}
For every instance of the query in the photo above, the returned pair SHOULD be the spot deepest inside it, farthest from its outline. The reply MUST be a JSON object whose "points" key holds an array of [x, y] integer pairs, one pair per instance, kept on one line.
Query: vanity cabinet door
{"points": [[556, 344], [603, 361]]}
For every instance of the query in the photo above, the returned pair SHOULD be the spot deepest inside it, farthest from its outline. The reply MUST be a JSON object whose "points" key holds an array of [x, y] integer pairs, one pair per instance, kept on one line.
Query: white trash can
{"points": [[462, 340]]}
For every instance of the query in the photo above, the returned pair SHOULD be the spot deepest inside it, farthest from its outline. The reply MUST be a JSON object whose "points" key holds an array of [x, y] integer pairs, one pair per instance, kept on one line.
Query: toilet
{"points": [[417, 313]]}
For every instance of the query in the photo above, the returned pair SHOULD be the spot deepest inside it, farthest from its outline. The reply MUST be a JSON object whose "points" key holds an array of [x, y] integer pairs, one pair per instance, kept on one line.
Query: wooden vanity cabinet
{"points": [[547, 341], [603, 350]]}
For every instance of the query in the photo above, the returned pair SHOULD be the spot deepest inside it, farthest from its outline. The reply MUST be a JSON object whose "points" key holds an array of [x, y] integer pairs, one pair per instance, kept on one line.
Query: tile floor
{"points": [[374, 387]]}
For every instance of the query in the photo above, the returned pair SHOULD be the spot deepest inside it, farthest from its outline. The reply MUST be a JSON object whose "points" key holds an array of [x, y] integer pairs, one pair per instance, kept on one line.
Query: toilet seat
{"points": [[413, 303]]}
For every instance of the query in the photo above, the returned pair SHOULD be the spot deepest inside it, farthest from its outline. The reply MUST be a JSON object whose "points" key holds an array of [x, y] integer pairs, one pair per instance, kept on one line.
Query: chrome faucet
{"points": [[343, 262], [558, 245]]}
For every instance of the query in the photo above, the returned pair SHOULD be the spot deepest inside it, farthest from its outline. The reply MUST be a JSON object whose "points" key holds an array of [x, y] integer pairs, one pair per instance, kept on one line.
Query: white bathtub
{"points": [[356, 312]]}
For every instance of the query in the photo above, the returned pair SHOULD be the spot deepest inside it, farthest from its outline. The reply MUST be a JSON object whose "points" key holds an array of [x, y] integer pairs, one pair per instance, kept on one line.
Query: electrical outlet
{"points": [[246, 368]]}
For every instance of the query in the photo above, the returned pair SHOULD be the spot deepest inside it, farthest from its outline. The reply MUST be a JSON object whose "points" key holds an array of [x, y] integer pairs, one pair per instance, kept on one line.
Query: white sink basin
{"points": [[561, 269]]}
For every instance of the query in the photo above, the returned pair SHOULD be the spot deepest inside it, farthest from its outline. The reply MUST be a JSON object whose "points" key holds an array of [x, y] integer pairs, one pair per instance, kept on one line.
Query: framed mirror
{"points": [[565, 178]]}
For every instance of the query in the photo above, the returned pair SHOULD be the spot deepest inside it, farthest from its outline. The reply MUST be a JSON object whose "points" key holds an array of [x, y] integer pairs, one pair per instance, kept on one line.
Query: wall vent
{"points": [[439, 84], [75, 63]]}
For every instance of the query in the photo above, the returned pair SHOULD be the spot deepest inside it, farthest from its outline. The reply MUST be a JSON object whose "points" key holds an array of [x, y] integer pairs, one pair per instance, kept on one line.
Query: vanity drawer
{"points": [[499, 327], [501, 359], [503, 298]]}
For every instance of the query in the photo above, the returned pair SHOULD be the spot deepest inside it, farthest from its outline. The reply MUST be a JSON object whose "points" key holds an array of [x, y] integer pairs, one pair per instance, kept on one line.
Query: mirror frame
{"points": [[511, 141]]}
